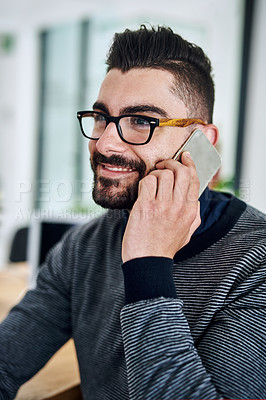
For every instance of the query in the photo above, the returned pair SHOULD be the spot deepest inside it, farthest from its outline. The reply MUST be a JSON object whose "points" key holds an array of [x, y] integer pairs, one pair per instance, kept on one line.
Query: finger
{"points": [[195, 224], [148, 188], [181, 177], [186, 179], [193, 190], [168, 164], [165, 184]]}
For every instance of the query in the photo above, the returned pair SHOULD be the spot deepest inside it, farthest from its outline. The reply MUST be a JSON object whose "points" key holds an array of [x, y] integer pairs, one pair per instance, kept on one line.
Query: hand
{"points": [[166, 212]]}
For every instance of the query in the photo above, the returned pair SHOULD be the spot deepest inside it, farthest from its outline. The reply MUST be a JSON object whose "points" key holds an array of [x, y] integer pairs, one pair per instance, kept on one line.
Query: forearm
{"points": [[162, 362], [29, 336], [35, 328]]}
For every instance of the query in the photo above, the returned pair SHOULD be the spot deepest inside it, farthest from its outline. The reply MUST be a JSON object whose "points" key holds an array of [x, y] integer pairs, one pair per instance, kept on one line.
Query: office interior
{"points": [[51, 65]]}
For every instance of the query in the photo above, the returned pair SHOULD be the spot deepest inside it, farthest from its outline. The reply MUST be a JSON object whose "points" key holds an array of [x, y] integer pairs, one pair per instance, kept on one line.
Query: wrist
{"points": [[145, 253], [147, 278]]}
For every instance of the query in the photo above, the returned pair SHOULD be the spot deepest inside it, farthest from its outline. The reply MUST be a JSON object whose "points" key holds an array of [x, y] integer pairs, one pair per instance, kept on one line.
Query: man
{"points": [[185, 318]]}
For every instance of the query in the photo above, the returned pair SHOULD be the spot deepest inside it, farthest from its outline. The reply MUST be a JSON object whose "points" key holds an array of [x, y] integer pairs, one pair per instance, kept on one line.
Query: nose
{"points": [[110, 141]]}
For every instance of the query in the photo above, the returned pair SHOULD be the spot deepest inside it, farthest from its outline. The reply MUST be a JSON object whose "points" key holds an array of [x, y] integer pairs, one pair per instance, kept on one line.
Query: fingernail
{"points": [[187, 154]]}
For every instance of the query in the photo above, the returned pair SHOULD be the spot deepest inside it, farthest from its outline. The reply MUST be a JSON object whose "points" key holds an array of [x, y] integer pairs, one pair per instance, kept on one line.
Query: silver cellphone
{"points": [[204, 155]]}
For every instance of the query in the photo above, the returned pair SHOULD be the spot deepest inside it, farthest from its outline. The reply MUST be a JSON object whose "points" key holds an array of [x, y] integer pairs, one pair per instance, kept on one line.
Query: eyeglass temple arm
{"points": [[180, 122]]}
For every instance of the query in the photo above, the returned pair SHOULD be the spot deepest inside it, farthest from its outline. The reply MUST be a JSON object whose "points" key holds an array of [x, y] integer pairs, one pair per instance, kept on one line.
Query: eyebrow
{"points": [[98, 105], [132, 109]]}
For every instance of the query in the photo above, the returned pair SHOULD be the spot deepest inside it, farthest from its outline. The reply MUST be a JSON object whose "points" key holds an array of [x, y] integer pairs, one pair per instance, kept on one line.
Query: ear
{"points": [[211, 132]]}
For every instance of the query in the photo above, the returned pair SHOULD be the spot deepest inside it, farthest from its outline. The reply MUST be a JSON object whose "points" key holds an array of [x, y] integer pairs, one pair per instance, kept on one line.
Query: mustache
{"points": [[117, 160]]}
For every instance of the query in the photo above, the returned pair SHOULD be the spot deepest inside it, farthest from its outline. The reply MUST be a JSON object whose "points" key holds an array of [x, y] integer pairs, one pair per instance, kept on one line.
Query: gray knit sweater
{"points": [[206, 340]]}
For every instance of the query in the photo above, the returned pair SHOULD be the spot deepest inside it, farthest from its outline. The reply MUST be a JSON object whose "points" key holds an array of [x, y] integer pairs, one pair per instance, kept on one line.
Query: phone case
{"points": [[204, 155]]}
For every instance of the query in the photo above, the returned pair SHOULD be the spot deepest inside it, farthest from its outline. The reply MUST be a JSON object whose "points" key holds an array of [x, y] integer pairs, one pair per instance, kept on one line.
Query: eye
{"points": [[139, 122], [99, 118]]}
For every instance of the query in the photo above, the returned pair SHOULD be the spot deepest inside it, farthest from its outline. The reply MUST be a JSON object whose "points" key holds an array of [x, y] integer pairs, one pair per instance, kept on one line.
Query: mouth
{"points": [[114, 171]]}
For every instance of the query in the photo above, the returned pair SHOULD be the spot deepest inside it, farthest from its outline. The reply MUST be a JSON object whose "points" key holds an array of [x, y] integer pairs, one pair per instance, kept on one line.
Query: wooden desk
{"points": [[59, 379]]}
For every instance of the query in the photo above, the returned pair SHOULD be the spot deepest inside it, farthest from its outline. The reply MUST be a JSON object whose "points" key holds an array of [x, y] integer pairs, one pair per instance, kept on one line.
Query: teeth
{"points": [[118, 169]]}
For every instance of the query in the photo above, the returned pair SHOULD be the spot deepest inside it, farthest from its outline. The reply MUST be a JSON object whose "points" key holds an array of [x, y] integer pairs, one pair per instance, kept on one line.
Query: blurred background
{"points": [[52, 61]]}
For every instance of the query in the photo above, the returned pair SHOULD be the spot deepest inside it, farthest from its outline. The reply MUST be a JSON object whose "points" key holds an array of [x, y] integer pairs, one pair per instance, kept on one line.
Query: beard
{"points": [[114, 193]]}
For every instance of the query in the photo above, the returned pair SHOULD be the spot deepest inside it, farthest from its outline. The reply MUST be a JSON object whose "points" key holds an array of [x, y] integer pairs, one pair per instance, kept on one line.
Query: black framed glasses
{"points": [[132, 128]]}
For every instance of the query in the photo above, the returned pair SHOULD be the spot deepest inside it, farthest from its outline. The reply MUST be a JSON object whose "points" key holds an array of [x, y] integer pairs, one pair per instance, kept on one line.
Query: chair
{"points": [[18, 252]]}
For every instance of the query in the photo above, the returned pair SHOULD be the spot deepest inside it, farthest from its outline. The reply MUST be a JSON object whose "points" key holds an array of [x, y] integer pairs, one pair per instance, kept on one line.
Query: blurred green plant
{"points": [[7, 43], [225, 185]]}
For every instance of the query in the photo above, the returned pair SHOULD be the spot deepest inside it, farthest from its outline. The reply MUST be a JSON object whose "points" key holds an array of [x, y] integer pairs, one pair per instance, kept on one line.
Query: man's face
{"points": [[118, 166]]}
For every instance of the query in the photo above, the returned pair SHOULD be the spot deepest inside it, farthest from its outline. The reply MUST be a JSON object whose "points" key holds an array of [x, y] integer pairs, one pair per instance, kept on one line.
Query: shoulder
{"points": [[247, 238], [253, 214], [83, 239], [86, 243], [252, 222], [108, 224]]}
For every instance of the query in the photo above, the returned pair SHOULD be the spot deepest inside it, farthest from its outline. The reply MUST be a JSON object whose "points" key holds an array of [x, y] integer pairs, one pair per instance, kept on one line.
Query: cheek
{"points": [[151, 158], [92, 146], [162, 146], [161, 151], [173, 143]]}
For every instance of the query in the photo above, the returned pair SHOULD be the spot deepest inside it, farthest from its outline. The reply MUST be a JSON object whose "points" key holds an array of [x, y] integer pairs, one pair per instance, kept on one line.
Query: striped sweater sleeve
{"points": [[162, 362], [37, 326], [229, 361]]}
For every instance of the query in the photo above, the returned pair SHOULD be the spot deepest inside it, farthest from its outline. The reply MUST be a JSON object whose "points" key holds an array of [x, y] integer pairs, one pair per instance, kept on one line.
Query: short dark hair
{"points": [[163, 49]]}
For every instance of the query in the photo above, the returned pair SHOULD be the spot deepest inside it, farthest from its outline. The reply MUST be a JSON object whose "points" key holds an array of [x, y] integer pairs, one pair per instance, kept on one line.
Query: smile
{"points": [[114, 171], [118, 169]]}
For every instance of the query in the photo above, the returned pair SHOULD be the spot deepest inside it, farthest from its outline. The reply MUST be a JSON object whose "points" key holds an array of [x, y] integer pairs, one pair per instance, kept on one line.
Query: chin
{"points": [[111, 194]]}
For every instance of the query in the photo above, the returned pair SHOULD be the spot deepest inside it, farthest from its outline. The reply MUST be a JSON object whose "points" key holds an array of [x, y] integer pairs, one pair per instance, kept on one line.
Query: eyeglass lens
{"points": [[134, 128]]}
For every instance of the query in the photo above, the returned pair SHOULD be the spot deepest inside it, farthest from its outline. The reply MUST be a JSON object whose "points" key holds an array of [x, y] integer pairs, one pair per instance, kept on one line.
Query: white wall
{"points": [[253, 178], [18, 116]]}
